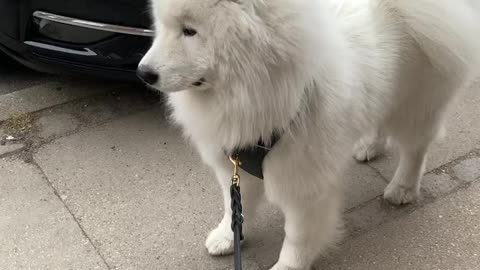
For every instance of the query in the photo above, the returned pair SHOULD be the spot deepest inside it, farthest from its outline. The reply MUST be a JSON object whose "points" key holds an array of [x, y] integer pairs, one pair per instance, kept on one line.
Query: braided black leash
{"points": [[237, 220], [237, 216]]}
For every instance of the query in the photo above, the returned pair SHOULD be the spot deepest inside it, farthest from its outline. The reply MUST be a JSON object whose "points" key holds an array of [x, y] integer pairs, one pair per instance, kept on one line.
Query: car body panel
{"points": [[53, 46]]}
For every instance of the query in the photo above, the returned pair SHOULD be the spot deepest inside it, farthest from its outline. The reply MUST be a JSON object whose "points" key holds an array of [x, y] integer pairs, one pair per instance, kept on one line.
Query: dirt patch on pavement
{"points": [[19, 124]]}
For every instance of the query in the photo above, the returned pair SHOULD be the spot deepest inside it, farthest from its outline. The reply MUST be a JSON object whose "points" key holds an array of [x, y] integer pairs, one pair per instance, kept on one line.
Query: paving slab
{"points": [[36, 230], [49, 94], [147, 201], [438, 185], [463, 135], [10, 148], [372, 214], [468, 170], [362, 184], [139, 191], [52, 125], [444, 235]]}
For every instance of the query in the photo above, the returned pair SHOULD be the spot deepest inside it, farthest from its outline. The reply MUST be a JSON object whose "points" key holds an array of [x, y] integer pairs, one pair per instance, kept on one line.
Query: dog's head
{"points": [[195, 39]]}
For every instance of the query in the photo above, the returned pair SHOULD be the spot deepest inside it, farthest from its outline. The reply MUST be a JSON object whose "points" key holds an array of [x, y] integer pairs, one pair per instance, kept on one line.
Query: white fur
{"points": [[320, 71]]}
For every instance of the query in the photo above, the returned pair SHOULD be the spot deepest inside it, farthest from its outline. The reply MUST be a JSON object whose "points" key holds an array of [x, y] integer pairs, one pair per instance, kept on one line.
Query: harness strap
{"points": [[252, 157]]}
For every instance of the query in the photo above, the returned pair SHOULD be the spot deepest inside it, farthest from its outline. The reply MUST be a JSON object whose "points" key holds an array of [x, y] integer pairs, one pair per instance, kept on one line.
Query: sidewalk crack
{"points": [[84, 233]]}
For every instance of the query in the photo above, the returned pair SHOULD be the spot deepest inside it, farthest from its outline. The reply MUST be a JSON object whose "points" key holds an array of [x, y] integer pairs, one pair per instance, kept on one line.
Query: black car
{"points": [[104, 38]]}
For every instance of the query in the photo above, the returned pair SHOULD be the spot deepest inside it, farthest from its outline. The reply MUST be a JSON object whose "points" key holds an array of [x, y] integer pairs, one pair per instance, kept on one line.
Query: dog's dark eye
{"points": [[189, 32]]}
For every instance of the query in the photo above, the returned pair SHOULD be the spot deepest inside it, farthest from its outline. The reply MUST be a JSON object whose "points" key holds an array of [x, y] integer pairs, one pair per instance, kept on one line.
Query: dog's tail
{"points": [[447, 31]]}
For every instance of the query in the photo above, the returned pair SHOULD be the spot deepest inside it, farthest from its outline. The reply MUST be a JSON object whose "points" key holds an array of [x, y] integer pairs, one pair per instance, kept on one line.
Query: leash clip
{"points": [[236, 168]]}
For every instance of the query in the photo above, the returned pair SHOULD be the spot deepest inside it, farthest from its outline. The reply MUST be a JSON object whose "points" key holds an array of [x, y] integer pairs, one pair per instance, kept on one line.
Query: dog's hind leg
{"points": [[311, 226], [413, 146], [413, 133], [369, 146], [405, 185], [312, 206], [220, 240]]}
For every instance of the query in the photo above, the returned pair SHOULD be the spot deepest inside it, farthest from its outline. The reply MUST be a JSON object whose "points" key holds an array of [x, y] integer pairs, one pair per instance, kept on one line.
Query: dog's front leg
{"points": [[220, 240]]}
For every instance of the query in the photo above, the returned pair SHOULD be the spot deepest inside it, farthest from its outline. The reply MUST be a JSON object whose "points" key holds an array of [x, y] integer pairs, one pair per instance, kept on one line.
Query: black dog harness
{"points": [[251, 158]]}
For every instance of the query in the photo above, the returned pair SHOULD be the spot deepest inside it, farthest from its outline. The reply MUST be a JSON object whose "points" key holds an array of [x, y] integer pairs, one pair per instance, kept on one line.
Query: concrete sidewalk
{"points": [[117, 188]]}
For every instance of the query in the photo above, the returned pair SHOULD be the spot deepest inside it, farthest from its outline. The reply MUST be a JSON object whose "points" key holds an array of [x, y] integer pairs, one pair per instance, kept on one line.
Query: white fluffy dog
{"points": [[319, 72]]}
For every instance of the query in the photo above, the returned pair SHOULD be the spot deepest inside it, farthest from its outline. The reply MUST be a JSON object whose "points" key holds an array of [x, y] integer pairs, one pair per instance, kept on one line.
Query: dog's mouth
{"points": [[199, 82]]}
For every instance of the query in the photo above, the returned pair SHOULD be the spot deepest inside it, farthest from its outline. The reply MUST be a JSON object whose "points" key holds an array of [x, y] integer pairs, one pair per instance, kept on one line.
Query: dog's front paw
{"points": [[220, 241], [399, 195]]}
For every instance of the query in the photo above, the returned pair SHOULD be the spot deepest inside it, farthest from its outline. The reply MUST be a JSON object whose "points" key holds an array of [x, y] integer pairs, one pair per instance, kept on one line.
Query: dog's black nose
{"points": [[147, 75]]}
